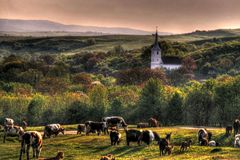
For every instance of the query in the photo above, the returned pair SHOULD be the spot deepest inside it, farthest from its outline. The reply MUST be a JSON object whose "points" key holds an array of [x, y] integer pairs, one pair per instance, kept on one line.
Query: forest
{"points": [[70, 80]]}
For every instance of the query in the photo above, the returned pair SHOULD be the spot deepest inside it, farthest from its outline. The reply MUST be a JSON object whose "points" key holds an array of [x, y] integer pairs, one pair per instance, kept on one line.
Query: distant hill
{"points": [[216, 33], [54, 28]]}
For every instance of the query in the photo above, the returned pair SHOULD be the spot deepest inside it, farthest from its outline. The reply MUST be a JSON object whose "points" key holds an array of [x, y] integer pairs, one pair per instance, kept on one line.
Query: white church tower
{"points": [[156, 60]]}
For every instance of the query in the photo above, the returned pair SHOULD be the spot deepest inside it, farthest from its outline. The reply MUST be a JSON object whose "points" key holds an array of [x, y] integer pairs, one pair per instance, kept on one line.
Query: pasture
{"points": [[81, 147]]}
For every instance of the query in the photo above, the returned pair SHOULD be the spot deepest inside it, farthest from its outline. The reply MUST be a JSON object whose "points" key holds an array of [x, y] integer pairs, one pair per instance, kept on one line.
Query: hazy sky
{"points": [[170, 15]]}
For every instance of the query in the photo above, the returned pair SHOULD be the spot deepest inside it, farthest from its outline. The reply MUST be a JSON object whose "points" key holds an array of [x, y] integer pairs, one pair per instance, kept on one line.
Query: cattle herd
{"points": [[34, 139]]}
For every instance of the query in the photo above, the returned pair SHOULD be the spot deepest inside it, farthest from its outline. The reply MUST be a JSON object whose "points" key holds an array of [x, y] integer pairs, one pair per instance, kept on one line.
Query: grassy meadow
{"points": [[81, 147]]}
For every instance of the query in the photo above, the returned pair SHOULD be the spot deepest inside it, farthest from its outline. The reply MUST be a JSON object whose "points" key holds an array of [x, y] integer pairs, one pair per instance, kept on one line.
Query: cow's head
{"points": [[61, 130]]}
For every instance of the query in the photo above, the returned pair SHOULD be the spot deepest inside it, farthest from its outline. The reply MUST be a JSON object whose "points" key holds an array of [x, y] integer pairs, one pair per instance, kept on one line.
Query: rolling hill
{"points": [[14, 26]]}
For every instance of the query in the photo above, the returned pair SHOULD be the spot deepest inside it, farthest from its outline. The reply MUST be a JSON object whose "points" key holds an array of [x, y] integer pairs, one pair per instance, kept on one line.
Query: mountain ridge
{"points": [[18, 25]]}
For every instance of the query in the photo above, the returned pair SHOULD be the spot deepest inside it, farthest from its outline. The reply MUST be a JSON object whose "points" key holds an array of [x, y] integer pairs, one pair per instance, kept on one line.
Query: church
{"points": [[157, 61]]}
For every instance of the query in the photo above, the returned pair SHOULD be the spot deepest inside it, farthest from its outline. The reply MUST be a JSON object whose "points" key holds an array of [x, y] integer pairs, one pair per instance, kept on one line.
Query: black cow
{"points": [[146, 136], [133, 136], [228, 130], [93, 127], [203, 135], [164, 144], [115, 137], [81, 128]]}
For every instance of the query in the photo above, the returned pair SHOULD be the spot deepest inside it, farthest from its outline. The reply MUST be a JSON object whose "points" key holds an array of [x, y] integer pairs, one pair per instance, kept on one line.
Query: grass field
{"points": [[81, 147]]}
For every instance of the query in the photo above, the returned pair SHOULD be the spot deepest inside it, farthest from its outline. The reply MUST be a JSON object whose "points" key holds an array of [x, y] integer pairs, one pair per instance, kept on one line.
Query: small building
{"points": [[157, 61]]}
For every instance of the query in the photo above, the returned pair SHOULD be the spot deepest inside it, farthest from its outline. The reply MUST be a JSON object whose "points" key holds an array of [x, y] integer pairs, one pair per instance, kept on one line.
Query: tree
{"points": [[227, 100], [175, 109], [138, 76], [98, 100], [77, 112], [188, 65], [35, 110], [151, 100], [199, 106]]}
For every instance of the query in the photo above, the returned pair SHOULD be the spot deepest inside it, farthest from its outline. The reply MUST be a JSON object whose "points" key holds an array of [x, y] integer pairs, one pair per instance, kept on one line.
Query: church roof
{"points": [[156, 45]]}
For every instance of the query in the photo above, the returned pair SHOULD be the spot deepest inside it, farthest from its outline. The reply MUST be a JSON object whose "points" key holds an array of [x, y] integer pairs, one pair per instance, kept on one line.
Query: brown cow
{"points": [[152, 122], [31, 139]]}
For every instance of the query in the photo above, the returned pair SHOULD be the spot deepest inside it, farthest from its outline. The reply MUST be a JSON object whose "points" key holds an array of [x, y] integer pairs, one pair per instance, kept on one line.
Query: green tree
{"points": [[199, 106], [175, 109], [35, 110], [98, 100], [227, 97], [77, 112], [151, 100]]}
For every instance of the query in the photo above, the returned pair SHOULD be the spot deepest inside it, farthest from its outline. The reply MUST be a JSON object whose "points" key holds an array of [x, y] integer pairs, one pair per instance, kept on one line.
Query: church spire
{"points": [[156, 45], [156, 35]]}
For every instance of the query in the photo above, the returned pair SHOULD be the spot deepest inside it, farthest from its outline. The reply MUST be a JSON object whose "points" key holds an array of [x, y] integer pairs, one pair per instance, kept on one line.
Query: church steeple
{"points": [[156, 45], [156, 60]]}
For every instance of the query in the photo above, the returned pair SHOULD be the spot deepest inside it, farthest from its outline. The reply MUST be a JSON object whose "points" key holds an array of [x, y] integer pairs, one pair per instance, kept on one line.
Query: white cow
{"points": [[52, 129]]}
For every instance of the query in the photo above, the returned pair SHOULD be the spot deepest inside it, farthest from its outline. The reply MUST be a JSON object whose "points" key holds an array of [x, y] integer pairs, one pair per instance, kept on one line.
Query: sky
{"points": [[175, 16]]}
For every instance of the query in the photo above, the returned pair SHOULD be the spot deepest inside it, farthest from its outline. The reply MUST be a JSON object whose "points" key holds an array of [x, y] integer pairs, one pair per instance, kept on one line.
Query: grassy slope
{"points": [[71, 45], [91, 147]]}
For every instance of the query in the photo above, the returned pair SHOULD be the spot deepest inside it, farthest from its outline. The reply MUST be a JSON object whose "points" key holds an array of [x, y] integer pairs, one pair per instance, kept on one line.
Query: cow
{"points": [[204, 142], [81, 128], [147, 136], [31, 139], [164, 144], [52, 129], [92, 127], [236, 126], [185, 145], [115, 121], [108, 157], [115, 137], [59, 156], [229, 130], [12, 131], [152, 122], [204, 134], [237, 141], [133, 136], [142, 125]]}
